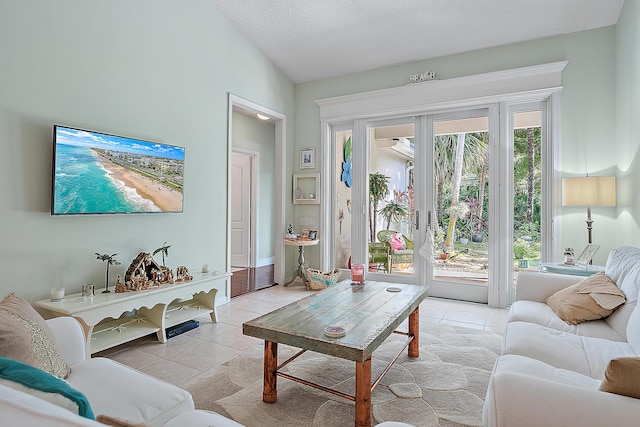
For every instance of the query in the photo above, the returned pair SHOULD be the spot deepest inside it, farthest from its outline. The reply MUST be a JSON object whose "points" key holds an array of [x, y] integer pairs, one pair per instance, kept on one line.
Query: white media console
{"points": [[112, 319]]}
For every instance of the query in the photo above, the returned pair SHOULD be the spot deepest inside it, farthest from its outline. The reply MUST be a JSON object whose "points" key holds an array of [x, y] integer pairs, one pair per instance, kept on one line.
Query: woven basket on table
{"points": [[317, 279]]}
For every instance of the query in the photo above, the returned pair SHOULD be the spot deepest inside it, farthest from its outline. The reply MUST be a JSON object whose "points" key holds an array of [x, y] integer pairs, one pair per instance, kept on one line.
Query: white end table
{"points": [[576, 270], [300, 271]]}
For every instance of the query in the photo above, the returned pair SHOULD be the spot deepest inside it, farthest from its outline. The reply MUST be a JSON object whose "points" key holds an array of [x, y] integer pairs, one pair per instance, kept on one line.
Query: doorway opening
{"points": [[255, 202]]}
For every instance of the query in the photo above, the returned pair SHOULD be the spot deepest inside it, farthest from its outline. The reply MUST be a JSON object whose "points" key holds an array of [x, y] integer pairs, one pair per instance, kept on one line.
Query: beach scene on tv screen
{"points": [[100, 173]]}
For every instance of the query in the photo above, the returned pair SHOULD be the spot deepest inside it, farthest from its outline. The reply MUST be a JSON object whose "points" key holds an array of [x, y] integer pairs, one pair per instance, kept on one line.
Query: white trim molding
{"points": [[506, 85]]}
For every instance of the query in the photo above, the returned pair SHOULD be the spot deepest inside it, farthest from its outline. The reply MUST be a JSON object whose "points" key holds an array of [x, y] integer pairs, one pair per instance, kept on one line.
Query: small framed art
{"points": [[307, 158], [587, 254]]}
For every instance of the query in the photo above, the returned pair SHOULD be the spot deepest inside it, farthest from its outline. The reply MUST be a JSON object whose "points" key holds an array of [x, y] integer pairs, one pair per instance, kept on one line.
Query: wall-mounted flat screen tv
{"points": [[98, 173]]}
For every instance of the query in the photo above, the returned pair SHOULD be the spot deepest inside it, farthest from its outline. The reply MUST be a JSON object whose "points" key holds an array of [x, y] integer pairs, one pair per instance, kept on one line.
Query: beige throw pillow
{"points": [[623, 377], [26, 337], [576, 304], [602, 289]]}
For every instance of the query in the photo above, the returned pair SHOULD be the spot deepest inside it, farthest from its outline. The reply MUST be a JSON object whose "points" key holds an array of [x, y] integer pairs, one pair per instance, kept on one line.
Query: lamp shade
{"points": [[589, 191]]}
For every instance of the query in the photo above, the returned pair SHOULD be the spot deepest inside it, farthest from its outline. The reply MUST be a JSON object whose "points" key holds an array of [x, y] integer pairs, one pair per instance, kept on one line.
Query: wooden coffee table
{"points": [[368, 314]]}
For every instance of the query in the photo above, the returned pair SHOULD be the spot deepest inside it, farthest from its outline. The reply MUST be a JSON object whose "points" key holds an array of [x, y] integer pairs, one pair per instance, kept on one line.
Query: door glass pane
{"points": [[526, 190], [342, 185], [391, 199], [461, 177]]}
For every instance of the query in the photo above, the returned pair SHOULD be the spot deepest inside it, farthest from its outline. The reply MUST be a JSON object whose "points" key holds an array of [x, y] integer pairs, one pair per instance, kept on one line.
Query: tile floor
{"points": [[199, 350]]}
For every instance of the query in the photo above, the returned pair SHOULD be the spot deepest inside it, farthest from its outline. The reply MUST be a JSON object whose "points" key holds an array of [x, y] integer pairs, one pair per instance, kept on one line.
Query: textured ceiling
{"points": [[317, 39]]}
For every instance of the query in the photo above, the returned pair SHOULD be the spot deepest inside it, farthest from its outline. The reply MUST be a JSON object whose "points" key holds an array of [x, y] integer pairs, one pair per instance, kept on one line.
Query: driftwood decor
{"points": [[144, 273], [182, 274]]}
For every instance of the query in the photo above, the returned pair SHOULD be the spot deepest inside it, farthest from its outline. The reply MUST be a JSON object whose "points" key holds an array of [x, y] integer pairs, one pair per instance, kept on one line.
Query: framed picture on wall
{"points": [[307, 158]]}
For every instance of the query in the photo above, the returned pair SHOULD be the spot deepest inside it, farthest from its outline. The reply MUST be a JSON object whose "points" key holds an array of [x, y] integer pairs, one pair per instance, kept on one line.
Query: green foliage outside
{"points": [[474, 190]]}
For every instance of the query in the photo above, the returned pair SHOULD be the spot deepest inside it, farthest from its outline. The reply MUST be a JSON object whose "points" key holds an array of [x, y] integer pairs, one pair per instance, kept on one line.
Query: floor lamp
{"points": [[589, 191]]}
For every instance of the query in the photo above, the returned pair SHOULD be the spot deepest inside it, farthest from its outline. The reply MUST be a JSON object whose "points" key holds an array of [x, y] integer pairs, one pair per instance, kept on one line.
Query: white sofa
{"points": [[550, 372], [111, 388]]}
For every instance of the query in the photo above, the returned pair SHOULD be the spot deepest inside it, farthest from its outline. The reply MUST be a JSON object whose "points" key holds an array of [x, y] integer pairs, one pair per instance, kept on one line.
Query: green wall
{"points": [[151, 69]]}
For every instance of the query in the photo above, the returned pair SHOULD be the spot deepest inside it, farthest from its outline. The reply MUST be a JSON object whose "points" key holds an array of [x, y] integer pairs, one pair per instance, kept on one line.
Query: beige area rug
{"points": [[445, 386]]}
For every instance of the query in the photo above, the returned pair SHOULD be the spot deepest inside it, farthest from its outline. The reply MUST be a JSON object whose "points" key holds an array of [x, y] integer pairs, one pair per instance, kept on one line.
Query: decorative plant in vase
{"points": [[110, 260], [165, 251]]}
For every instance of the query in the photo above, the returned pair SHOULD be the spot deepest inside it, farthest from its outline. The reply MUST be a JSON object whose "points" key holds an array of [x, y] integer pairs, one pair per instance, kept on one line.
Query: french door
{"points": [[429, 199], [460, 146]]}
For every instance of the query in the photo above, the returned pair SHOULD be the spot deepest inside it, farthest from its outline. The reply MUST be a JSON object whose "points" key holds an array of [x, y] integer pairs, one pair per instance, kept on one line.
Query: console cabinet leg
{"points": [[156, 315]]}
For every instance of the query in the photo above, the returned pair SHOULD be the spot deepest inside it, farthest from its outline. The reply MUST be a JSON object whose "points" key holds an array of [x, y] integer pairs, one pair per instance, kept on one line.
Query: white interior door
{"points": [[241, 210]]}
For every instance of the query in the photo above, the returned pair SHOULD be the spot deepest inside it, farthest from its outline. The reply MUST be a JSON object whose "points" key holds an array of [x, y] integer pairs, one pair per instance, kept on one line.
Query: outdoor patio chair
{"points": [[378, 256], [396, 256]]}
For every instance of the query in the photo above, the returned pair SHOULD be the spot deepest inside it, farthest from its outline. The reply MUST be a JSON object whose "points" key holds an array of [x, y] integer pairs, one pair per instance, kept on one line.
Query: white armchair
{"points": [[111, 388]]}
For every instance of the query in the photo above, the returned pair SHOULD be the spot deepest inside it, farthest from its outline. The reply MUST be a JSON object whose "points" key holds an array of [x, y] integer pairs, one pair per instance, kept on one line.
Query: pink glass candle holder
{"points": [[357, 274]]}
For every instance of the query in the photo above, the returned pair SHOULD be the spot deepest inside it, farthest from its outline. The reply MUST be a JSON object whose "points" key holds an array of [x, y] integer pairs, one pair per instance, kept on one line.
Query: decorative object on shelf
{"points": [[88, 290], [182, 274], [589, 191], [569, 256], [57, 294], [313, 234], [346, 165], [290, 234], [110, 260], [120, 287], [308, 158], [427, 76], [165, 251], [309, 185], [586, 256], [143, 273], [318, 280]]}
